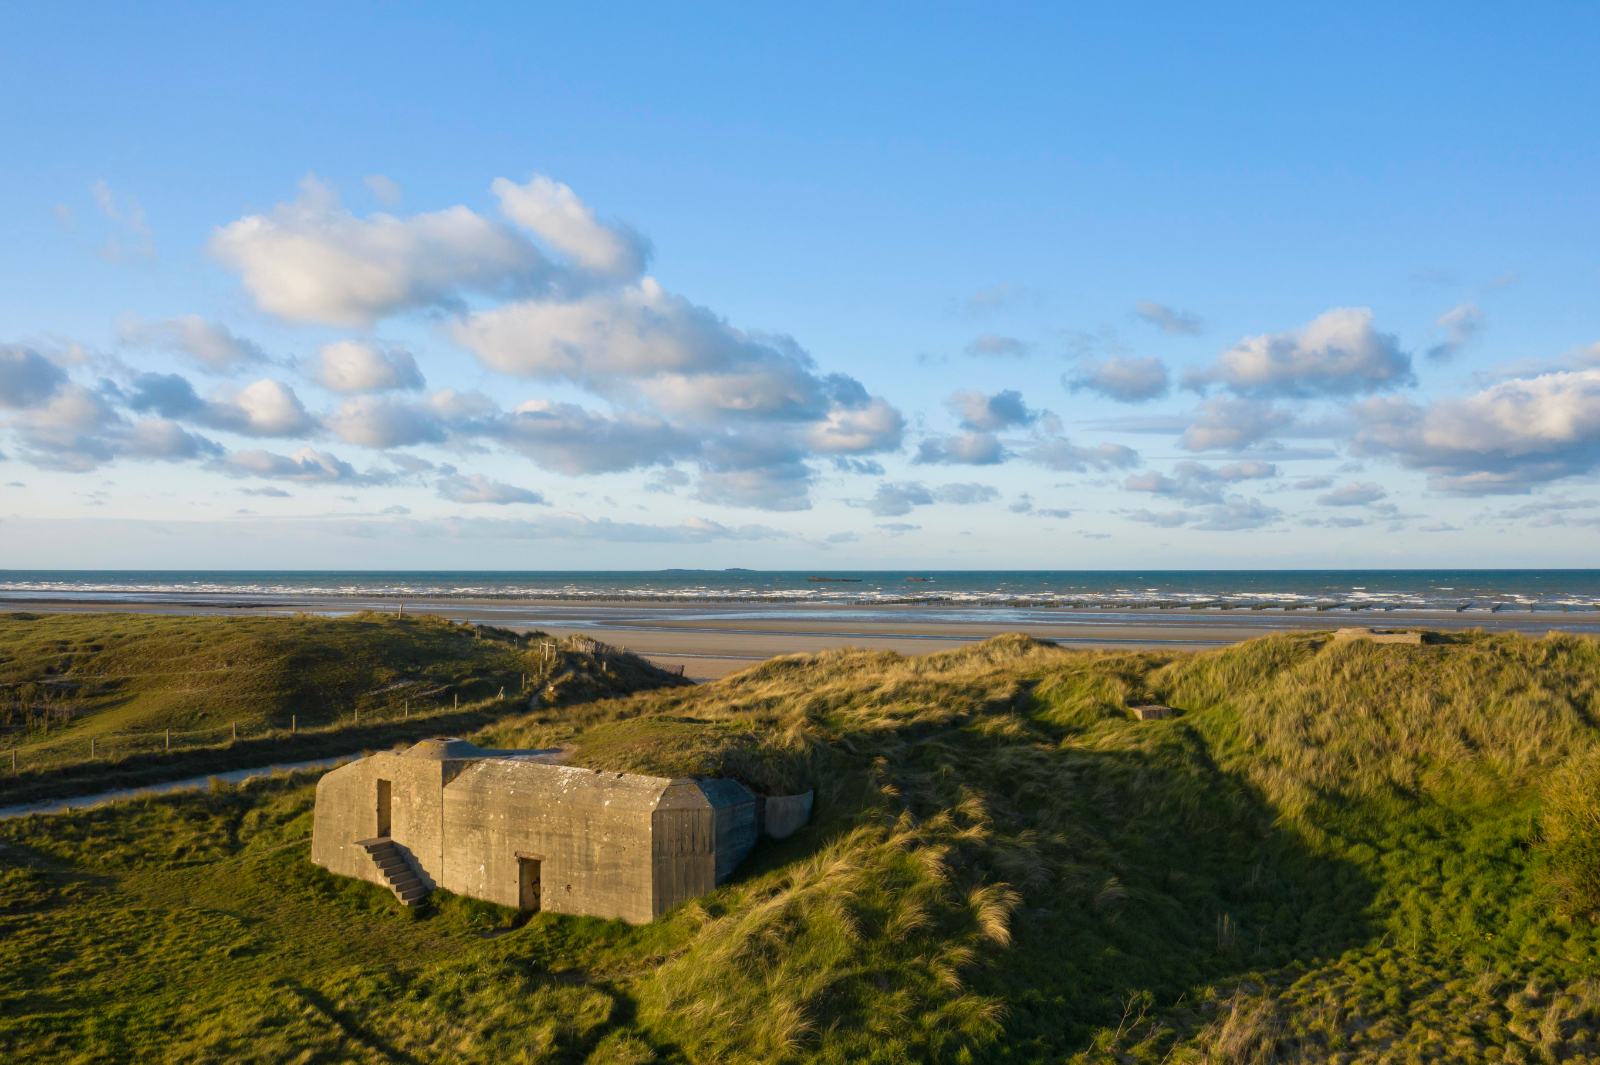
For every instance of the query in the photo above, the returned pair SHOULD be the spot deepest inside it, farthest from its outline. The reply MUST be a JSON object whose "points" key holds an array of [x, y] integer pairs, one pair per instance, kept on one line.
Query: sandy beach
{"points": [[710, 640]]}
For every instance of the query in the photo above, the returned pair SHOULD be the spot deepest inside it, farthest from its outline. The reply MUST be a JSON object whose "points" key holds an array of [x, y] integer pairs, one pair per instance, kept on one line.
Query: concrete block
{"points": [[786, 814], [606, 844], [1378, 636], [1152, 712]]}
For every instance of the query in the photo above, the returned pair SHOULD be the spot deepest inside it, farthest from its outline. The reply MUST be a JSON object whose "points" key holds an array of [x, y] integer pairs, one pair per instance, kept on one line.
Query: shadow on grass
{"points": [[1163, 875]]}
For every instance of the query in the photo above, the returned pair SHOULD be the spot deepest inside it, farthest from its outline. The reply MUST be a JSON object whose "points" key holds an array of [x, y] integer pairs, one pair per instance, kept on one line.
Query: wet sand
{"points": [[710, 640]]}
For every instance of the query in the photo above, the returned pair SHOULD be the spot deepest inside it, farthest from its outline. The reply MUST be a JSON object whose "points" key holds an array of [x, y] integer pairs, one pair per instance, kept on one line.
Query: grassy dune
{"points": [[1336, 852], [124, 680]]}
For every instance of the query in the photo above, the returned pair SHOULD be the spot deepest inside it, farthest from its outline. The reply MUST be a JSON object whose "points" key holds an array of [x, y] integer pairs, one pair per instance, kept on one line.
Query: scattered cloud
{"points": [[999, 297], [1548, 512], [306, 466], [1506, 439], [1309, 484], [1233, 423], [475, 488], [571, 305], [986, 413], [966, 493], [964, 449], [135, 242], [1438, 526], [358, 366], [1060, 454], [1124, 379], [565, 222], [1460, 325], [27, 378], [1339, 353], [1353, 495], [1180, 323], [385, 190], [893, 499], [1168, 519], [210, 344], [667, 481], [276, 493], [314, 261], [1237, 515], [558, 527], [895, 528], [1195, 483], [993, 345]]}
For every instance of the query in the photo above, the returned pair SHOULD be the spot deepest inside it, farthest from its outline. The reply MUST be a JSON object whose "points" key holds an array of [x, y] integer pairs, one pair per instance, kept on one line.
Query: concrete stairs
{"points": [[397, 872]]}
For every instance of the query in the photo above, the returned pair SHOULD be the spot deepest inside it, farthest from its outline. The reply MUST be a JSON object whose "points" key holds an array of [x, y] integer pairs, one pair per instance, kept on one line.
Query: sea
{"points": [[1413, 589]]}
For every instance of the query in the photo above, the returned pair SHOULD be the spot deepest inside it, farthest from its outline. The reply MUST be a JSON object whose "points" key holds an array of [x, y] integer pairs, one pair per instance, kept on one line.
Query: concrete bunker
{"points": [[520, 829]]}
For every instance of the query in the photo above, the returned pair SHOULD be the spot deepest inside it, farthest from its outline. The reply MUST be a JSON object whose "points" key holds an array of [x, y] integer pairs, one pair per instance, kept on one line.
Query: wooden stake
{"points": [[502, 694], [169, 739], [458, 701], [91, 748], [236, 731], [294, 723], [13, 761]]}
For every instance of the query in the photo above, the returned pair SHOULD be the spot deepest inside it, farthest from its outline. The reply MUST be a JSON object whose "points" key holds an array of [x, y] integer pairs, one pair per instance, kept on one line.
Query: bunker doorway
{"points": [[528, 881], [383, 807]]}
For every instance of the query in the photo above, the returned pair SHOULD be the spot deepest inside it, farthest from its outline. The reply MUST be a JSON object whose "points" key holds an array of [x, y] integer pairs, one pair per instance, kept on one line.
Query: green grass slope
{"points": [[123, 680], [1335, 852]]}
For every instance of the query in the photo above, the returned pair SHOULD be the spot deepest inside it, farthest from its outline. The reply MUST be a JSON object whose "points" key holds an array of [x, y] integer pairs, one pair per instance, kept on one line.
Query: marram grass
{"points": [[1336, 852]]}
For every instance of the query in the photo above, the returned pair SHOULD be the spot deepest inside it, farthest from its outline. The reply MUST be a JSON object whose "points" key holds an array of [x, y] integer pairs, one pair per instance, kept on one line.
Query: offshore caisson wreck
{"points": [[519, 829]]}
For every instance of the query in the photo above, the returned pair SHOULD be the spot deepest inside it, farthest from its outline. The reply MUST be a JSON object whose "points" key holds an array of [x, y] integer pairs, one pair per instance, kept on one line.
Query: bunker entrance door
{"points": [[527, 882], [383, 807]]}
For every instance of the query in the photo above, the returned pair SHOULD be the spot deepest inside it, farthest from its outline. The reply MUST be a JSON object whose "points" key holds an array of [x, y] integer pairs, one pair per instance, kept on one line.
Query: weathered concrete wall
{"points": [[611, 845], [684, 831], [590, 830], [786, 814], [737, 827], [347, 811]]}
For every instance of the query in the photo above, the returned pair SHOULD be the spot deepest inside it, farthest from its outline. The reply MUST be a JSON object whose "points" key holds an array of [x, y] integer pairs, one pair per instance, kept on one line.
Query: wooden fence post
{"points": [[458, 701], [91, 747], [13, 761], [169, 739], [294, 723], [236, 731]]}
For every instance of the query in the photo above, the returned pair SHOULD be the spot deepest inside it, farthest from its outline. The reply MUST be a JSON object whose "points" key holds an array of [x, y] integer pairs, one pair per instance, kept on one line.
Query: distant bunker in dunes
{"points": [[1152, 712], [1380, 636], [518, 828]]}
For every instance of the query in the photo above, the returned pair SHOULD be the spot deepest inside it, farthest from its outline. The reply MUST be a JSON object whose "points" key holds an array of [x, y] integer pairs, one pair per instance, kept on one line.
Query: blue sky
{"points": [[510, 287]]}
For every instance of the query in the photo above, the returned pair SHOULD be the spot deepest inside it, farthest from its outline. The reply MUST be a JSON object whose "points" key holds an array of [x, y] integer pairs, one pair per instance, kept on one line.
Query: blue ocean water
{"points": [[1414, 588]]}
